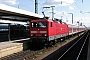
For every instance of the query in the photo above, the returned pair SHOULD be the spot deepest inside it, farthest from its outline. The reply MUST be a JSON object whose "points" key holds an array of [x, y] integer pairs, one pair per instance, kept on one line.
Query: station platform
{"points": [[10, 47]]}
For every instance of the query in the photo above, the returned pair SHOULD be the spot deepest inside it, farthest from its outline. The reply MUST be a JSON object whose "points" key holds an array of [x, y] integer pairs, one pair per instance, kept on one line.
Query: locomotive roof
{"points": [[40, 20], [50, 20]]}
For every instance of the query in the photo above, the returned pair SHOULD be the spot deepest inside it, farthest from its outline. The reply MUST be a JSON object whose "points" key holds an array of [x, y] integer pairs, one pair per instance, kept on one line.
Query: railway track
{"points": [[77, 50]]}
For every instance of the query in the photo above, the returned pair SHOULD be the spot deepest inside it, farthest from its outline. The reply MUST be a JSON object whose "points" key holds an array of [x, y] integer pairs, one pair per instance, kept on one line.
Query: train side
{"points": [[73, 29], [56, 30], [47, 31]]}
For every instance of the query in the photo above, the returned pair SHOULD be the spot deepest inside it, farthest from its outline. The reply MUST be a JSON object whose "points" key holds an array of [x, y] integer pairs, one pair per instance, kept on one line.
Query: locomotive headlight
{"points": [[31, 34], [45, 34]]}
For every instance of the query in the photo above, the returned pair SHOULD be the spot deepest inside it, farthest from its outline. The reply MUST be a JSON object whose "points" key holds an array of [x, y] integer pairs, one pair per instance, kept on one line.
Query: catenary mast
{"points": [[36, 6]]}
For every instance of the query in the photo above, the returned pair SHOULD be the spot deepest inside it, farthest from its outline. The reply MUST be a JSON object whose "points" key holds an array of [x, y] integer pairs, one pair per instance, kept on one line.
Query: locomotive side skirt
{"points": [[57, 36]]}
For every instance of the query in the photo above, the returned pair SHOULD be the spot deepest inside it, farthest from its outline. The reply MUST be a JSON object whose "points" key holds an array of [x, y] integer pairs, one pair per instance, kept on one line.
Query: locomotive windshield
{"points": [[38, 24]]}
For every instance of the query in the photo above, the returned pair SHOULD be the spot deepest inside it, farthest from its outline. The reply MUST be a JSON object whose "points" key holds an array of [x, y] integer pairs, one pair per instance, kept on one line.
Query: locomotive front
{"points": [[38, 30]]}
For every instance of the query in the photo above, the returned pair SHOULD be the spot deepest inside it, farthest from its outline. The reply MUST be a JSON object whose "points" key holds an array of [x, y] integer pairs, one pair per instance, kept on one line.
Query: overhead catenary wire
{"points": [[32, 0], [78, 7], [81, 10]]}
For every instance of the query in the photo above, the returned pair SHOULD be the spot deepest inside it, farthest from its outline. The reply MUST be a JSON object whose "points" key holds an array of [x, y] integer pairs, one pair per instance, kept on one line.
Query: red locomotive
{"points": [[46, 31]]}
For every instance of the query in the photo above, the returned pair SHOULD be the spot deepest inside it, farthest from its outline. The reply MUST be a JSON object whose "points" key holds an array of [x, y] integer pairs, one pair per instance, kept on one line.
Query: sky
{"points": [[79, 8]]}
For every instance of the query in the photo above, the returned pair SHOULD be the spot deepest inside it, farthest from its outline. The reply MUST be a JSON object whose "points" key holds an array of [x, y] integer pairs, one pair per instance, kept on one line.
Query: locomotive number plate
{"points": [[38, 31]]}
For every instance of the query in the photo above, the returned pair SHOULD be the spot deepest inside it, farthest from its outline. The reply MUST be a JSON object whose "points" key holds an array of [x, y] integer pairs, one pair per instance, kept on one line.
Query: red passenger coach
{"points": [[73, 29], [46, 31]]}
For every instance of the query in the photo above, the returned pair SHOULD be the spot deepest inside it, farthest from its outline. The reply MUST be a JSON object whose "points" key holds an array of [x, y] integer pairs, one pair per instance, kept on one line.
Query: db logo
{"points": [[38, 31]]}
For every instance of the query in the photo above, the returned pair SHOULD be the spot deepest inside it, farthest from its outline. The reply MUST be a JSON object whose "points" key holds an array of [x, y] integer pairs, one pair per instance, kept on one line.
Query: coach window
{"points": [[51, 24]]}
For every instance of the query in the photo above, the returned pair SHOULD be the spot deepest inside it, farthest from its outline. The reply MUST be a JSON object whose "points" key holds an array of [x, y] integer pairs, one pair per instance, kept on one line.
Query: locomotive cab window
{"points": [[39, 24]]}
